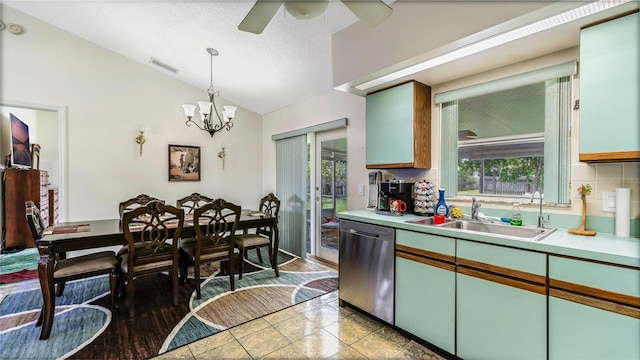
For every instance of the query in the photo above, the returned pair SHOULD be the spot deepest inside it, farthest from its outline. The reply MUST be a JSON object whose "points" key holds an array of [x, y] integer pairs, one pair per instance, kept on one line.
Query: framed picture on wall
{"points": [[184, 163]]}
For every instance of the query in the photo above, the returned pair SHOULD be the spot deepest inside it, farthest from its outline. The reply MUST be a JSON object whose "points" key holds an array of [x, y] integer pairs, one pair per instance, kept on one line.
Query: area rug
{"points": [[85, 325], [19, 266]]}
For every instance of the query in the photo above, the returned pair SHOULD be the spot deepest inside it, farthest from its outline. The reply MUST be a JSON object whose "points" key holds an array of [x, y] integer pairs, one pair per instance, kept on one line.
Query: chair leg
{"points": [[59, 288], [130, 297], [259, 255], [113, 285], [231, 276], [196, 273], [40, 317], [182, 264], [273, 253], [174, 276], [243, 255]]}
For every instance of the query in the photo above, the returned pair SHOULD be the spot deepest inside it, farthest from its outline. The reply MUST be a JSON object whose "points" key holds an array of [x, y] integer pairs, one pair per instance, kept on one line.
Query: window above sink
{"points": [[508, 137]]}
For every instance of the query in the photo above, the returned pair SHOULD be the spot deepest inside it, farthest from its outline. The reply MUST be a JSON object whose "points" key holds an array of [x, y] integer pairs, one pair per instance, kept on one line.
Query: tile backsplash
{"points": [[601, 177]]}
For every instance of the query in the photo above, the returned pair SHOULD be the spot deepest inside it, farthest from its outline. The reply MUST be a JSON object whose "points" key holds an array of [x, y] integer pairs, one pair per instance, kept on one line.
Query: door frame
{"points": [[316, 173]]}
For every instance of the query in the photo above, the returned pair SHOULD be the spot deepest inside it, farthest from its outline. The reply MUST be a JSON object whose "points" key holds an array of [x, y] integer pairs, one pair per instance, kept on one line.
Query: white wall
{"points": [[106, 97], [326, 107]]}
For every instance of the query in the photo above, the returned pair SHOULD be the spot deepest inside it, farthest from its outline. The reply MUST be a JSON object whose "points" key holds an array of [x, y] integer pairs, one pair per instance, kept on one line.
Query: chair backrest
{"points": [[192, 202], [135, 202], [152, 232], [216, 224], [269, 204], [34, 220]]}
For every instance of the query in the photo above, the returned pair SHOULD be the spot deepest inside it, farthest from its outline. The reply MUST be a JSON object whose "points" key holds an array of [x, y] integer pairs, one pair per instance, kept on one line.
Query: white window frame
{"points": [[557, 126]]}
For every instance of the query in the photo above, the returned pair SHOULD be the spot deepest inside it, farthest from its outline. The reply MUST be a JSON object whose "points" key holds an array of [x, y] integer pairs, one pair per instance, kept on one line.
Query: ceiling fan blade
{"points": [[369, 12], [259, 16]]}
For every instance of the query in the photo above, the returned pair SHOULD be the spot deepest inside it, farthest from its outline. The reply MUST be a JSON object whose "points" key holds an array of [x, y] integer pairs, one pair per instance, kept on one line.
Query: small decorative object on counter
{"points": [[456, 213], [583, 190], [516, 216], [441, 207], [423, 198], [397, 207]]}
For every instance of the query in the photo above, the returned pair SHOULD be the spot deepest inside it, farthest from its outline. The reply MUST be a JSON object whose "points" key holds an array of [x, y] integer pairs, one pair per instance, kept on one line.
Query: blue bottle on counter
{"points": [[441, 207]]}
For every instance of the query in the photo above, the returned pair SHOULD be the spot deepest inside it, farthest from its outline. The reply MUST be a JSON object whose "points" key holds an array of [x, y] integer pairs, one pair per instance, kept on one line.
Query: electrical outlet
{"points": [[361, 189], [608, 201]]}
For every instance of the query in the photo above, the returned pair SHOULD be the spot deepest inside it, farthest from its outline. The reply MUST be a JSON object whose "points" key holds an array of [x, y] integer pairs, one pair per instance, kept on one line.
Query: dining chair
{"points": [[192, 202], [152, 232], [215, 228], [128, 205], [135, 202], [263, 237], [189, 204], [63, 270]]}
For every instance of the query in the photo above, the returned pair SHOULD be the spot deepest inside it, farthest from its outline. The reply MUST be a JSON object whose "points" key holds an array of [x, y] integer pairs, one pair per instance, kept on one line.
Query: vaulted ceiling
{"points": [[291, 60]]}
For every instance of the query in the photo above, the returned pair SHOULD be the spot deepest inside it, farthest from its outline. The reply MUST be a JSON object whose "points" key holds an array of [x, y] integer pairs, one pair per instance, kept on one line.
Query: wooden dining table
{"points": [[86, 235]]}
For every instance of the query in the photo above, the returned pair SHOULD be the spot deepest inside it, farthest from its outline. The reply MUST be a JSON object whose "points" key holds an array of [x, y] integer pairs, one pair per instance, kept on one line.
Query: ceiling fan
{"points": [[371, 12]]}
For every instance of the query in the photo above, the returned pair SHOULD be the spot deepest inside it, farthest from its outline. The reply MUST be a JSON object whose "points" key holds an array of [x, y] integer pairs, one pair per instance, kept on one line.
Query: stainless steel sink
{"points": [[501, 230], [428, 221]]}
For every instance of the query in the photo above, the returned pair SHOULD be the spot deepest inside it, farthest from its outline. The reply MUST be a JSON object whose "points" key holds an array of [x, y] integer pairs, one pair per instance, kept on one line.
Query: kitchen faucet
{"points": [[541, 220], [474, 209]]}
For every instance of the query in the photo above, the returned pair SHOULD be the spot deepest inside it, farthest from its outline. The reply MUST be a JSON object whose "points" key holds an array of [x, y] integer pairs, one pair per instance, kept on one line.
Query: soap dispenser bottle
{"points": [[516, 216], [441, 207]]}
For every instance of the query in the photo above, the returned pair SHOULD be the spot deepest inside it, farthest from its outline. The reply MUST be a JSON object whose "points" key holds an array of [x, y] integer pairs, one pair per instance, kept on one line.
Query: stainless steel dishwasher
{"points": [[367, 268]]}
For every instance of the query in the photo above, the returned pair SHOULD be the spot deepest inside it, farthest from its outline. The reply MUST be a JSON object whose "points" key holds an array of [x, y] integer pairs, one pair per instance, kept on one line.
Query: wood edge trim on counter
{"points": [[596, 303], [622, 156], [426, 253], [390, 166], [605, 295], [437, 263], [539, 279], [536, 288]]}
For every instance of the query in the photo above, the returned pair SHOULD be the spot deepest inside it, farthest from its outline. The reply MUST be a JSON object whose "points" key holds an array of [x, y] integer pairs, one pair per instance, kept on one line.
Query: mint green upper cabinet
{"points": [[594, 310], [398, 127], [425, 287], [609, 91]]}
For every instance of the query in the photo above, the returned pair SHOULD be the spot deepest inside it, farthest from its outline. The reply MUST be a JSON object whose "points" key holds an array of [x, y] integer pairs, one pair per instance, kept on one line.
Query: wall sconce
{"points": [[140, 138], [222, 154]]}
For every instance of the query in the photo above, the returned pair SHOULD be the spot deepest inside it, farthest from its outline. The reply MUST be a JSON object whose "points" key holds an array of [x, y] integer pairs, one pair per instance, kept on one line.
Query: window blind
{"points": [[531, 77]]}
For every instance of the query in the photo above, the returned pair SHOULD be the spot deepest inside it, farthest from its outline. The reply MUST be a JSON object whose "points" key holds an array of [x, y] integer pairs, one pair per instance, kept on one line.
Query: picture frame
{"points": [[184, 163]]}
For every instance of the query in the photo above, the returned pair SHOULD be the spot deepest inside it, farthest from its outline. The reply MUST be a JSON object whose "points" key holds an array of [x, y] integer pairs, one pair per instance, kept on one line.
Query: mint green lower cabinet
{"points": [[496, 321], [425, 302], [594, 310], [582, 332]]}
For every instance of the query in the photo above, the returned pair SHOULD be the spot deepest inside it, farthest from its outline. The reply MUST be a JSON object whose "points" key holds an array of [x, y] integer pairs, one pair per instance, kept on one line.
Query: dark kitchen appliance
{"points": [[394, 190]]}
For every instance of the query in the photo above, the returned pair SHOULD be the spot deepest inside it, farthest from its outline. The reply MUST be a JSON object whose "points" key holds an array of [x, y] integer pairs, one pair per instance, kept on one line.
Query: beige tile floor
{"points": [[316, 329]]}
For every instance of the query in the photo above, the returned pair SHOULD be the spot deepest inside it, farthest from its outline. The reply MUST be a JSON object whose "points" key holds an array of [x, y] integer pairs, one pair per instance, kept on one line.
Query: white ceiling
{"points": [[289, 62]]}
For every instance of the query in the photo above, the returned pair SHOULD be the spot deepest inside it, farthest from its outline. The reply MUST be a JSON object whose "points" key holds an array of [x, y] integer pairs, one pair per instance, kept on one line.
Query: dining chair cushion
{"points": [[96, 262], [125, 249], [210, 255], [142, 268], [189, 240], [250, 240]]}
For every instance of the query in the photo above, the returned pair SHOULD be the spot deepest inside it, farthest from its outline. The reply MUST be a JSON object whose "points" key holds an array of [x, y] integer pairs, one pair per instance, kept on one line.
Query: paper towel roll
{"points": [[623, 208]]}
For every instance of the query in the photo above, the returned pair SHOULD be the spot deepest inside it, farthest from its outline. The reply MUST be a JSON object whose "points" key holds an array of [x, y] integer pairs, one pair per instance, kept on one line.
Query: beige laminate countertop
{"points": [[601, 247]]}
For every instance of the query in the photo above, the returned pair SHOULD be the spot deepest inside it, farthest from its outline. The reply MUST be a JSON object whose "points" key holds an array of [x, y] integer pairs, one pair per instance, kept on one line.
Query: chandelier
{"points": [[208, 108]]}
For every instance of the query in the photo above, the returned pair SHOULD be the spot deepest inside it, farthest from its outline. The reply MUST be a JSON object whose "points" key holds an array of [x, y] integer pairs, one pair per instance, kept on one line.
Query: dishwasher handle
{"points": [[362, 233]]}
